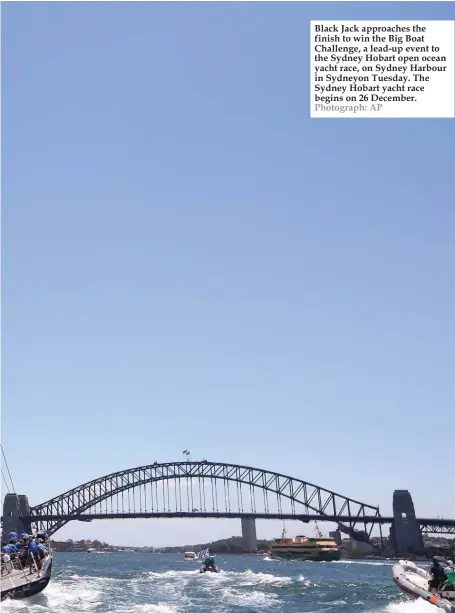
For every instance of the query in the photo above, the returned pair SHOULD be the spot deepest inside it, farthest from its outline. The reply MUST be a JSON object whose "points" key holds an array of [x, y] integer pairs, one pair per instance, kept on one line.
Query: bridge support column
{"points": [[405, 535], [249, 534], [14, 506]]}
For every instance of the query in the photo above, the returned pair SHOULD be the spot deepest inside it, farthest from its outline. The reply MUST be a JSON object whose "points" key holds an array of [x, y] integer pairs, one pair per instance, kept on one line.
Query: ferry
{"points": [[318, 549]]}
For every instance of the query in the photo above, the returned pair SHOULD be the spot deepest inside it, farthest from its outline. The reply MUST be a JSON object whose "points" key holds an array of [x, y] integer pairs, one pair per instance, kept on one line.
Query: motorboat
{"points": [[209, 566], [414, 581], [189, 556]]}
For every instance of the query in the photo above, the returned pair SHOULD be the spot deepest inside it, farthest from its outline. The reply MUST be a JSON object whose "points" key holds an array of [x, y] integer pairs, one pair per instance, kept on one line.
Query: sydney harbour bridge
{"points": [[219, 490]]}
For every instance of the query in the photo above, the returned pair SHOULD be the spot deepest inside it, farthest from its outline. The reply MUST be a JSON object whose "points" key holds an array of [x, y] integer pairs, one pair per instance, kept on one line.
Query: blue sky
{"points": [[191, 261]]}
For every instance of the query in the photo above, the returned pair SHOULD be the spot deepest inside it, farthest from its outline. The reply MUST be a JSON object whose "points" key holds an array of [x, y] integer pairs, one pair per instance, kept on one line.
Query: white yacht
{"points": [[189, 556]]}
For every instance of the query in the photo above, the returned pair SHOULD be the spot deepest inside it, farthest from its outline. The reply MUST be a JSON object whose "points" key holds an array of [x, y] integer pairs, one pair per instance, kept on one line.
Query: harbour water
{"points": [[160, 583]]}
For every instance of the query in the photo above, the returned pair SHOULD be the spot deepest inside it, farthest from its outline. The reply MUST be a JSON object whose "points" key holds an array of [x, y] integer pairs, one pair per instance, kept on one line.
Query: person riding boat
{"points": [[450, 574], [33, 554], [43, 549], [6, 548], [10, 548], [439, 577], [8, 565]]}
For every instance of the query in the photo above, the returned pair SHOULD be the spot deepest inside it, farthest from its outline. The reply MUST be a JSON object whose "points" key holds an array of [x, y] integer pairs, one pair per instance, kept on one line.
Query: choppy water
{"points": [[157, 583]]}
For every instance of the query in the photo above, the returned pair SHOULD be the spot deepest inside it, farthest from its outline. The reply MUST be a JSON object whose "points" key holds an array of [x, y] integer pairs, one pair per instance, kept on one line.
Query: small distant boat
{"points": [[414, 581], [18, 582], [91, 550], [190, 556]]}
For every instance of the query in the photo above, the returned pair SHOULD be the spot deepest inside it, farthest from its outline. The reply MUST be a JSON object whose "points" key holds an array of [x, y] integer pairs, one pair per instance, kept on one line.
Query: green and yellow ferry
{"points": [[318, 549]]}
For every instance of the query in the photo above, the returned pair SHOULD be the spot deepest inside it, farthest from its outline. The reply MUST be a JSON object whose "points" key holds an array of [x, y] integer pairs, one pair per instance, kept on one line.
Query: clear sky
{"points": [[191, 261]]}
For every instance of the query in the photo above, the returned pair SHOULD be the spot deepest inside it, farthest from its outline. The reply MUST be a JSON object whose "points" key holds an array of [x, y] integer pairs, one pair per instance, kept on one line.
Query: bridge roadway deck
{"points": [[368, 519]]}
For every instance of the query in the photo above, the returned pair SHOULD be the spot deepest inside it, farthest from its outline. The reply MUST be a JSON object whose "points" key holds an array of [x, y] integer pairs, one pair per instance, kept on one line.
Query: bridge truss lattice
{"points": [[201, 489], [445, 527]]}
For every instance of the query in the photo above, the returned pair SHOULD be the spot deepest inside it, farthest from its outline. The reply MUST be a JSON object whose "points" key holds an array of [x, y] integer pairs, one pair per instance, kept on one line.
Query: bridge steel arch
{"points": [[304, 498]]}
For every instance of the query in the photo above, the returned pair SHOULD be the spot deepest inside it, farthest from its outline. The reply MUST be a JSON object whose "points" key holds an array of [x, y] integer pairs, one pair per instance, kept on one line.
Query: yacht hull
{"points": [[19, 584]]}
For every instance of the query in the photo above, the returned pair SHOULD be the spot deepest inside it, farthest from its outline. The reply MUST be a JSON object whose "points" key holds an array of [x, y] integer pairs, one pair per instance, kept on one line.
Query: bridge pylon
{"points": [[15, 508], [405, 534], [249, 534]]}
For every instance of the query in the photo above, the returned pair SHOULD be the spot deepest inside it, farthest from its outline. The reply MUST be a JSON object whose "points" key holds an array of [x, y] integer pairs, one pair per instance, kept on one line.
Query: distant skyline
{"points": [[190, 261]]}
